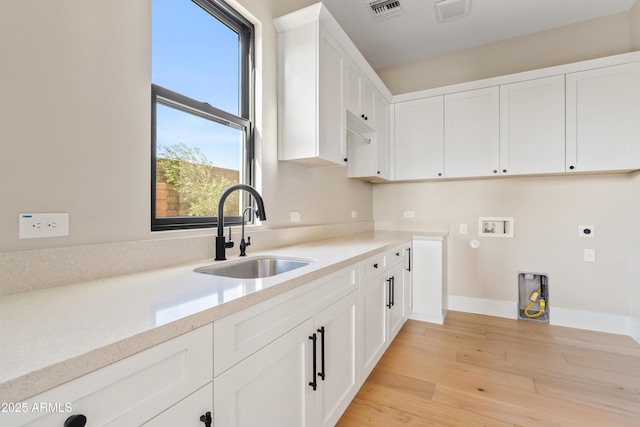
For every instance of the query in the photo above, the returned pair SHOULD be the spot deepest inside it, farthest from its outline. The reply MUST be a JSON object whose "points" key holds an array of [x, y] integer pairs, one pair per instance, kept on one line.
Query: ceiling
{"points": [[417, 34]]}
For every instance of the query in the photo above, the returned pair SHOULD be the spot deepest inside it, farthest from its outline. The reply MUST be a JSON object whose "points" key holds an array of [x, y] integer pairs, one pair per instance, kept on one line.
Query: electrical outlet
{"points": [[409, 214], [34, 226], [295, 216], [354, 214], [463, 229]]}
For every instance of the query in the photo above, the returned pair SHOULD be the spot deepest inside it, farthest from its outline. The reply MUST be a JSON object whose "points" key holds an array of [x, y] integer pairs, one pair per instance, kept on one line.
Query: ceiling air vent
{"points": [[450, 9], [382, 9]]}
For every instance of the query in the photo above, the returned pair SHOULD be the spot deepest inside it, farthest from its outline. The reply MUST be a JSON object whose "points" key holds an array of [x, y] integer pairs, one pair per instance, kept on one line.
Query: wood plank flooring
{"points": [[486, 371]]}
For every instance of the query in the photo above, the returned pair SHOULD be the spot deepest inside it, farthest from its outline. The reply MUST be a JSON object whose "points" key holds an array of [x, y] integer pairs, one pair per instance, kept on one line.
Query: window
{"points": [[202, 112]]}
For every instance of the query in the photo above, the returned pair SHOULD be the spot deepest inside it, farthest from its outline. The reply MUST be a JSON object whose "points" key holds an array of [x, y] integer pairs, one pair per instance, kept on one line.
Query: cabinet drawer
{"points": [[131, 391], [372, 266], [395, 256], [187, 412], [243, 333]]}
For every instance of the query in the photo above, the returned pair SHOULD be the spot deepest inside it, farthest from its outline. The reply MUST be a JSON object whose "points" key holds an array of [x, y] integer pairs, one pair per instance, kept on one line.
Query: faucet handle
{"points": [[229, 244]]}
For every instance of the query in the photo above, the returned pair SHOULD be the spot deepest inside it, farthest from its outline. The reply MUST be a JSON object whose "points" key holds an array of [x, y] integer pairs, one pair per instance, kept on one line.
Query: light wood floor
{"points": [[486, 371]]}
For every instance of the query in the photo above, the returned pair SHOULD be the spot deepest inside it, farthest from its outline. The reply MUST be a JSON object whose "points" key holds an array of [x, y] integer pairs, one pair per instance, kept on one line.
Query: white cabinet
{"points": [[271, 387], [336, 331], [198, 405], [430, 291], [360, 96], [419, 139], [532, 126], [176, 375], [368, 152], [291, 360], [603, 107], [311, 98], [382, 301], [471, 133]]}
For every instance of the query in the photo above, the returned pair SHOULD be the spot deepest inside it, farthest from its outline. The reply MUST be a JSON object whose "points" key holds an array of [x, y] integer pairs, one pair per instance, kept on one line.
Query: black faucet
{"points": [[221, 245]]}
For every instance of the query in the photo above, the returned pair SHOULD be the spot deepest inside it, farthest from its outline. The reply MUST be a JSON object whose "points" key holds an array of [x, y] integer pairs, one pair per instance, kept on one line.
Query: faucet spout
{"points": [[220, 240]]}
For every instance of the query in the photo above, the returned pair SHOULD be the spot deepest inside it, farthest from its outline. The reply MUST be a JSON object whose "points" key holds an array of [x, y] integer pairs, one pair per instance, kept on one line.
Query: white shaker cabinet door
{"points": [[472, 133], [419, 139], [532, 130], [603, 126], [271, 387]]}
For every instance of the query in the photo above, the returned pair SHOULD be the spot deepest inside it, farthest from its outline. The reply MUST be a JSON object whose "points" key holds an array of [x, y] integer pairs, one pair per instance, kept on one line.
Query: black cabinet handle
{"points": [[345, 159], [504, 171], [375, 265], [76, 421], [389, 294], [409, 250], [314, 383], [321, 374], [572, 167], [393, 291], [439, 173], [495, 171], [206, 419]]}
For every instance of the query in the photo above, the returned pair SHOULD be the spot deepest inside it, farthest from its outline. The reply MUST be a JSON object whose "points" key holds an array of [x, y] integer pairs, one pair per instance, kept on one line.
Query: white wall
{"points": [[75, 125], [634, 281]]}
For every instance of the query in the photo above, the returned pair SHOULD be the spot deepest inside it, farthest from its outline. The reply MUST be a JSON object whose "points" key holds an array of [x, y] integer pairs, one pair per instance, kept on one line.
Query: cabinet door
{"points": [[381, 125], [360, 94], [395, 300], [271, 387], [603, 107], [331, 85], [373, 300], [419, 138], [471, 133], [336, 330], [429, 286], [532, 131]]}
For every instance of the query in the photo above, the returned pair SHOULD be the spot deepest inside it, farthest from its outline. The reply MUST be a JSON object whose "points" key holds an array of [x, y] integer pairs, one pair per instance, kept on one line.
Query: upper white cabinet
{"points": [[360, 96], [472, 133], [368, 152], [311, 83], [579, 117], [419, 139], [603, 126], [532, 131]]}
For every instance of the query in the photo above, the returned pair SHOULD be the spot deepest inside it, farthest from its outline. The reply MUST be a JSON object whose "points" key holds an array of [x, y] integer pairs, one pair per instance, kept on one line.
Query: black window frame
{"points": [[244, 121]]}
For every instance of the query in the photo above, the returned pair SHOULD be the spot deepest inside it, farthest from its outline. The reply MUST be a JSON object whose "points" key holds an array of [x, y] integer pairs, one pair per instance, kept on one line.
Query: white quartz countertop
{"points": [[51, 336]]}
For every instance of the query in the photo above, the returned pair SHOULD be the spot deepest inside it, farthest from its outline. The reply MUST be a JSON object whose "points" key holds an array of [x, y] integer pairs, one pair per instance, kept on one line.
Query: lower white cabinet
{"points": [[270, 387], [383, 308], [133, 391], [307, 377], [291, 361], [429, 287]]}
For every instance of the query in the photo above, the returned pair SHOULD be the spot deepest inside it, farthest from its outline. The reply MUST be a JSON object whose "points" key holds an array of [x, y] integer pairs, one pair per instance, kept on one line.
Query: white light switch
{"points": [[589, 255]]}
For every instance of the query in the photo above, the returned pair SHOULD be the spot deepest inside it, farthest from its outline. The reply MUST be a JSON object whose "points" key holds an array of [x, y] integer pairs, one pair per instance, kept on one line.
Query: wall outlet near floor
{"points": [[35, 226], [409, 214], [295, 216], [589, 255], [354, 214]]}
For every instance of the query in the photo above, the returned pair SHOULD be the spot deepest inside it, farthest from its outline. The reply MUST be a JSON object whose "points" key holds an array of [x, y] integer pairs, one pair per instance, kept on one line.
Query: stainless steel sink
{"points": [[255, 268]]}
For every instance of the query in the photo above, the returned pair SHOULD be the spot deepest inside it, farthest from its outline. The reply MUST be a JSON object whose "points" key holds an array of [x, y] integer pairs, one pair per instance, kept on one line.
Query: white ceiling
{"points": [[416, 34]]}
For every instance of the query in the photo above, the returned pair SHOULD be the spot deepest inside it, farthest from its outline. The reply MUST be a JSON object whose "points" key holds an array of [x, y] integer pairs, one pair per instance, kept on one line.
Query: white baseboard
{"points": [[426, 318], [578, 319]]}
